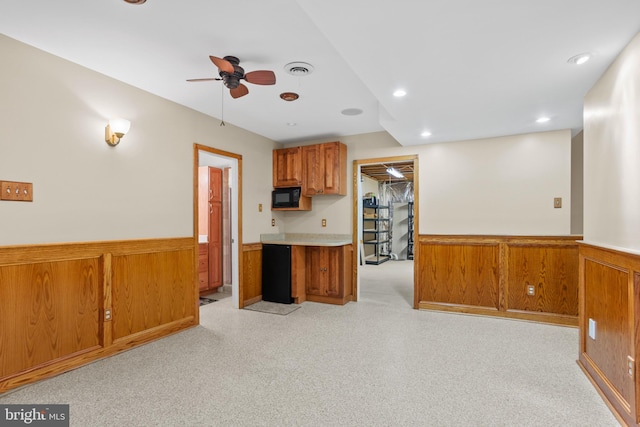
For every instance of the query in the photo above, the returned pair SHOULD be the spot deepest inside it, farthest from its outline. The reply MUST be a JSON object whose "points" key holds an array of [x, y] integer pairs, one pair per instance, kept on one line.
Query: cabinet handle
{"points": [[210, 194]]}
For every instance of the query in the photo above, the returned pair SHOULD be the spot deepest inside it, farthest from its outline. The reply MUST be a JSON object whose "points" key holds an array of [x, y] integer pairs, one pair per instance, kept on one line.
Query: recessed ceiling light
{"points": [[543, 120], [351, 111], [579, 59], [425, 134], [291, 124], [399, 93]]}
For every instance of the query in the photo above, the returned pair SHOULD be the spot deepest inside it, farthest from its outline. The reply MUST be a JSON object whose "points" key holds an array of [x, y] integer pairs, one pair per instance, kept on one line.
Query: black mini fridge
{"points": [[276, 273]]}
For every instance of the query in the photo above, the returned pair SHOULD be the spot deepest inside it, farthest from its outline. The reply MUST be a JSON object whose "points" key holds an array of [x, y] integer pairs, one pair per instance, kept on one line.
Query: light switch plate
{"points": [[557, 202], [16, 191]]}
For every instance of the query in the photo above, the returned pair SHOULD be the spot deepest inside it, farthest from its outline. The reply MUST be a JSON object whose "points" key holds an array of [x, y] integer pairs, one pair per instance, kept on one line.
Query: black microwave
{"points": [[285, 197]]}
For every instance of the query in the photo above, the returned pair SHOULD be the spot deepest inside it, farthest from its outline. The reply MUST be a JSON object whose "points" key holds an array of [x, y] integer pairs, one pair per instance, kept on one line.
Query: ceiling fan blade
{"points": [[261, 77], [204, 80], [222, 64], [241, 90]]}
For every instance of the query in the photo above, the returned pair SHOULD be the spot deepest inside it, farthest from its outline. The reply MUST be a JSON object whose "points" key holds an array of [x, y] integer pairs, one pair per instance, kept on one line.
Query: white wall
{"points": [[503, 186], [612, 154], [577, 184], [369, 185], [53, 115]]}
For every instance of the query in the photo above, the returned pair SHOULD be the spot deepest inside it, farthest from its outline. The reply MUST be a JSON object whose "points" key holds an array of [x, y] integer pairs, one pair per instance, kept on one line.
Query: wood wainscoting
{"points": [[65, 305], [251, 273], [610, 302], [524, 277]]}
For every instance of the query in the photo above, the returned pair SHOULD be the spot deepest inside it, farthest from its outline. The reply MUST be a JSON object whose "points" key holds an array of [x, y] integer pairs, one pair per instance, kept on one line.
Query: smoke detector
{"points": [[299, 68]]}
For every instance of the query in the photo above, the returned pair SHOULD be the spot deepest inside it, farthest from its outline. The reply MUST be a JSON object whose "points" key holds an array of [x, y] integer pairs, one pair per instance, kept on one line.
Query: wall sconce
{"points": [[115, 130]]}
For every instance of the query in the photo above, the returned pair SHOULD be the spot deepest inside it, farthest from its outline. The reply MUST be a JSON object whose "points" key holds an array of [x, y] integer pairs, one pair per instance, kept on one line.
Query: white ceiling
{"points": [[471, 68]]}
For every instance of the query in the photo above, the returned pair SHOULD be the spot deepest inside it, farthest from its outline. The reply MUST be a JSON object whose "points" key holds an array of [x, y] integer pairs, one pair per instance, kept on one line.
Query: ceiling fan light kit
{"points": [[289, 96]]}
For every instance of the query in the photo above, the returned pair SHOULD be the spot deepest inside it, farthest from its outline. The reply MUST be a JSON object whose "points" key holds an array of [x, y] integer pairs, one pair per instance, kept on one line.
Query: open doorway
{"points": [[217, 223], [385, 228]]}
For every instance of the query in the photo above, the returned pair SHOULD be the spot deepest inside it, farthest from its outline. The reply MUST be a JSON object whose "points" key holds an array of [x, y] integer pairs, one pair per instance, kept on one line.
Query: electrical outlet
{"points": [[631, 364], [592, 329], [273, 222], [107, 315], [557, 202], [259, 207], [531, 290], [324, 222]]}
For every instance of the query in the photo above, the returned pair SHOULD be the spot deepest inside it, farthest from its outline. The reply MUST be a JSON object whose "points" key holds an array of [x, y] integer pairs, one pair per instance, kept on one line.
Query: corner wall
{"points": [[612, 155]]}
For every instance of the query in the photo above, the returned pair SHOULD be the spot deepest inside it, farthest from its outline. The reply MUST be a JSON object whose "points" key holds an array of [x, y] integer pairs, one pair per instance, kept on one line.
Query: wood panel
{"points": [[298, 276], [489, 275], [460, 274], [54, 298], [252, 272], [610, 296], [607, 302], [552, 270], [50, 310], [150, 290]]}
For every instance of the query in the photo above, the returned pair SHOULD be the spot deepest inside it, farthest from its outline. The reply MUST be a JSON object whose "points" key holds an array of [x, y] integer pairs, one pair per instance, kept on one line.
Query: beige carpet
{"points": [[372, 363]]}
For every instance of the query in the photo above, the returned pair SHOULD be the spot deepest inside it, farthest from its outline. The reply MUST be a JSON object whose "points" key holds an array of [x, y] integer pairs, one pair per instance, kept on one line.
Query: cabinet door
{"points": [[334, 272], [314, 271], [215, 245], [215, 185], [203, 266], [334, 160], [313, 167], [287, 167]]}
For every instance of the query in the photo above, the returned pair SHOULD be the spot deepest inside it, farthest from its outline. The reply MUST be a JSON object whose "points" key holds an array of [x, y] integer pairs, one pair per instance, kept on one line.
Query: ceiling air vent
{"points": [[299, 68]]}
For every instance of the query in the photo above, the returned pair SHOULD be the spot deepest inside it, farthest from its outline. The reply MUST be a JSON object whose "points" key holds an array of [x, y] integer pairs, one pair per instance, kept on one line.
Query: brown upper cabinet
{"points": [[287, 167], [319, 169]]}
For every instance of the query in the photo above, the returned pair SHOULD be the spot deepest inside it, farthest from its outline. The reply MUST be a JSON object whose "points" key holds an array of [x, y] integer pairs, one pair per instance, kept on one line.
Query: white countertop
{"points": [[306, 239]]}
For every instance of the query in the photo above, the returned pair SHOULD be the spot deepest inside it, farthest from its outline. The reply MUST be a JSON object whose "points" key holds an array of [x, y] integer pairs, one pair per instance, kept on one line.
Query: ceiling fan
{"points": [[231, 73]]}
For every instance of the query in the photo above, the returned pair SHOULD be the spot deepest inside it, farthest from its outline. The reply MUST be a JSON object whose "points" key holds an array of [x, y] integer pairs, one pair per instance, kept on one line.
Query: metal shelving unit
{"points": [[410, 236], [375, 233]]}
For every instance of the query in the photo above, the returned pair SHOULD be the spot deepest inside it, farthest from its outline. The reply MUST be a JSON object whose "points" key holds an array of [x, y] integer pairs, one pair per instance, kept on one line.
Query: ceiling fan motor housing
{"points": [[232, 80]]}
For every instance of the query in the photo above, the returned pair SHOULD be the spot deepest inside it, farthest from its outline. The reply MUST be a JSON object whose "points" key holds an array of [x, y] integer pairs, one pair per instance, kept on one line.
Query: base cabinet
{"points": [[328, 274]]}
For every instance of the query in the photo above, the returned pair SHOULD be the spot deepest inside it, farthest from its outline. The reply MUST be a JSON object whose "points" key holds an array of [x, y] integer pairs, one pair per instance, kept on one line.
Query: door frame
{"points": [[357, 213], [236, 210]]}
